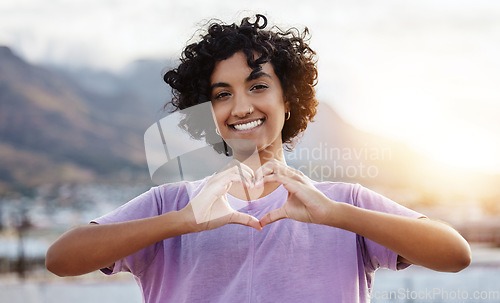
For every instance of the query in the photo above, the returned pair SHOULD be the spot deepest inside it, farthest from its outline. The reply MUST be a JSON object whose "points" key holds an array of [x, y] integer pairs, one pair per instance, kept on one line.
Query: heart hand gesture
{"points": [[210, 208], [305, 202]]}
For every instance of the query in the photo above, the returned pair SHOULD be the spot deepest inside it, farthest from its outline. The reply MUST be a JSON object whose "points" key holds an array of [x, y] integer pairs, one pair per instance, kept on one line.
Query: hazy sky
{"points": [[425, 72]]}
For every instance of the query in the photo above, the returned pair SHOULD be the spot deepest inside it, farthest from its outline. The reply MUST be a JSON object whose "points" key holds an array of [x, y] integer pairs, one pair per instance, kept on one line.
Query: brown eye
{"points": [[221, 95], [258, 87]]}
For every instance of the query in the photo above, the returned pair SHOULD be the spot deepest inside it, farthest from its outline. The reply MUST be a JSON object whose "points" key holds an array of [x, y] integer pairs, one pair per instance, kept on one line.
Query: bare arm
{"points": [[87, 248], [90, 247], [425, 242]]}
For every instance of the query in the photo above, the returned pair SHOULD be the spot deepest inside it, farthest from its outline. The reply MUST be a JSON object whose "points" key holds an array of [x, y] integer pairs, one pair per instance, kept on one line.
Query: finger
{"points": [[274, 216], [245, 219], [275, 168], [242, 172], [249, 173], [278, 178], [246, 174], [220, 184], [268, 168]]}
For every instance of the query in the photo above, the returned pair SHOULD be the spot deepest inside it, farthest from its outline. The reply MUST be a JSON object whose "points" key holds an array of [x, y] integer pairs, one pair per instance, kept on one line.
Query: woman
{"points": [[177, 239]]}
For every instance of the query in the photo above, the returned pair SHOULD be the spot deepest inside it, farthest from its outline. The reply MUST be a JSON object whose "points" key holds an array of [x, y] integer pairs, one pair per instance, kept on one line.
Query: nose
{"points": [[242, 107]]}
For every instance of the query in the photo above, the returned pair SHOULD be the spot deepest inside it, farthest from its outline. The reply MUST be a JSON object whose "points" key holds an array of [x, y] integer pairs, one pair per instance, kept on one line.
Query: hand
{"points": [[305, 203], [210, 208]]}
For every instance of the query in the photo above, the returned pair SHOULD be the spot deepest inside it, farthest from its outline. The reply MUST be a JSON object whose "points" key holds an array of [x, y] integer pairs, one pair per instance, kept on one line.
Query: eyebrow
{"points": [[251, 77], [257, 75]]}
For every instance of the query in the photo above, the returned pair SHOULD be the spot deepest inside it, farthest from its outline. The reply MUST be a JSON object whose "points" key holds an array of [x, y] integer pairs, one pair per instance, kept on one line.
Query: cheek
{"points": [[219, 115], [219, 121]]}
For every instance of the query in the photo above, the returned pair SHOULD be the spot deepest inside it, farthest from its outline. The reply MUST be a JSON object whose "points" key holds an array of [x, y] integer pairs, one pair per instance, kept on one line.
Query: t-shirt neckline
{"points": [[272, 195]]}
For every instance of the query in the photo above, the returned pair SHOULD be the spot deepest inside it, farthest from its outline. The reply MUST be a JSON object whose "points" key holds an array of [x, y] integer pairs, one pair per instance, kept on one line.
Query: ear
{"points": [[287, 106]]}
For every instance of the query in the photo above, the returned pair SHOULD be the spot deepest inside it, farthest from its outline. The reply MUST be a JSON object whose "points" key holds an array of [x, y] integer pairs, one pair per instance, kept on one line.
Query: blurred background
{"points": [[409, 107]]}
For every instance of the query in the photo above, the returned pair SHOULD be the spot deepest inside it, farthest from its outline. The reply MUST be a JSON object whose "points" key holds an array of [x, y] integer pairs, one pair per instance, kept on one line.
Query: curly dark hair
{"points": [[294, 63]]}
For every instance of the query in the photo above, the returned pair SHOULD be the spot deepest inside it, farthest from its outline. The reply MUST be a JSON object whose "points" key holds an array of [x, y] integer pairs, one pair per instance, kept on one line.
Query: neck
{"points": [[254, 161], [257, 159]]}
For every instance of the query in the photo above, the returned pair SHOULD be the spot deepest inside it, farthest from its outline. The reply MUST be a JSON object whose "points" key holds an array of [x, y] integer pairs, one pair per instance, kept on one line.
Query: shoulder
{"points": [[157, 200], [338, 191], [352, 193], [176, 195], [180, 187], [363, 197]]}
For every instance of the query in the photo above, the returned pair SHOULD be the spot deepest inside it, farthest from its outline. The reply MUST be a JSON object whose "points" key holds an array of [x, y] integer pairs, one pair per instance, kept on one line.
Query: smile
{"points": [[248, 125]]}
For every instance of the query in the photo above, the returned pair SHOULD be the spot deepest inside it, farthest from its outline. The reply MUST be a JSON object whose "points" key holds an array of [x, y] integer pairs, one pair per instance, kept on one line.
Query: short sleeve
{"points": [[375, 255], [146, 205]]}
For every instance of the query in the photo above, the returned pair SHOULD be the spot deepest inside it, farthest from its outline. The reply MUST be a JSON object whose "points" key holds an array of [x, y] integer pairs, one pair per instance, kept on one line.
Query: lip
{"points": [[232, 128]]}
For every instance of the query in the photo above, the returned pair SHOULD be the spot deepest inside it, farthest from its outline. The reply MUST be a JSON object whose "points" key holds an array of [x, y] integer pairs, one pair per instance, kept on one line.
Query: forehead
{"points": [[236, 68]]}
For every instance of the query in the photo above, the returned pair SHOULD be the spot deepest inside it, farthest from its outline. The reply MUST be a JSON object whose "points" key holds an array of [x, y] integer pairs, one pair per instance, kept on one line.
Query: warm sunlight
{"points": [[460, 147], [429, 87], [450, 139], [407, 124]]}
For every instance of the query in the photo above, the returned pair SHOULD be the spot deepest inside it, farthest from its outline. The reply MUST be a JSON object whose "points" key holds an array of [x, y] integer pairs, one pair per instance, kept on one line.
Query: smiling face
{"points": [[248, 106]]}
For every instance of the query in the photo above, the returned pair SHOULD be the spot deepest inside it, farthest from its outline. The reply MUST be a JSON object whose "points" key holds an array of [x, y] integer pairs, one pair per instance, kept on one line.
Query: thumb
{"points": [[274, 216], [245, 219]]}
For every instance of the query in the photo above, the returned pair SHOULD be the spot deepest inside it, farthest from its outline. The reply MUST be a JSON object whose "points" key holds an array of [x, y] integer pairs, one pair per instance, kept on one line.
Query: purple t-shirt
{"points": [[288, 261]]}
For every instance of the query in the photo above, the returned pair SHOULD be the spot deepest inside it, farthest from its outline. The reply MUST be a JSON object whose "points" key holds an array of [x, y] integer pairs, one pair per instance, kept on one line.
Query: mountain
{"points": [[332, 149], [60, 126], [56, 129]]}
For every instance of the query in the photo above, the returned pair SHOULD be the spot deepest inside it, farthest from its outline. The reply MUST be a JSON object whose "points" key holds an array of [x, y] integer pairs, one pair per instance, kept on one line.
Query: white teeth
{"points": [[248, 126]]}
